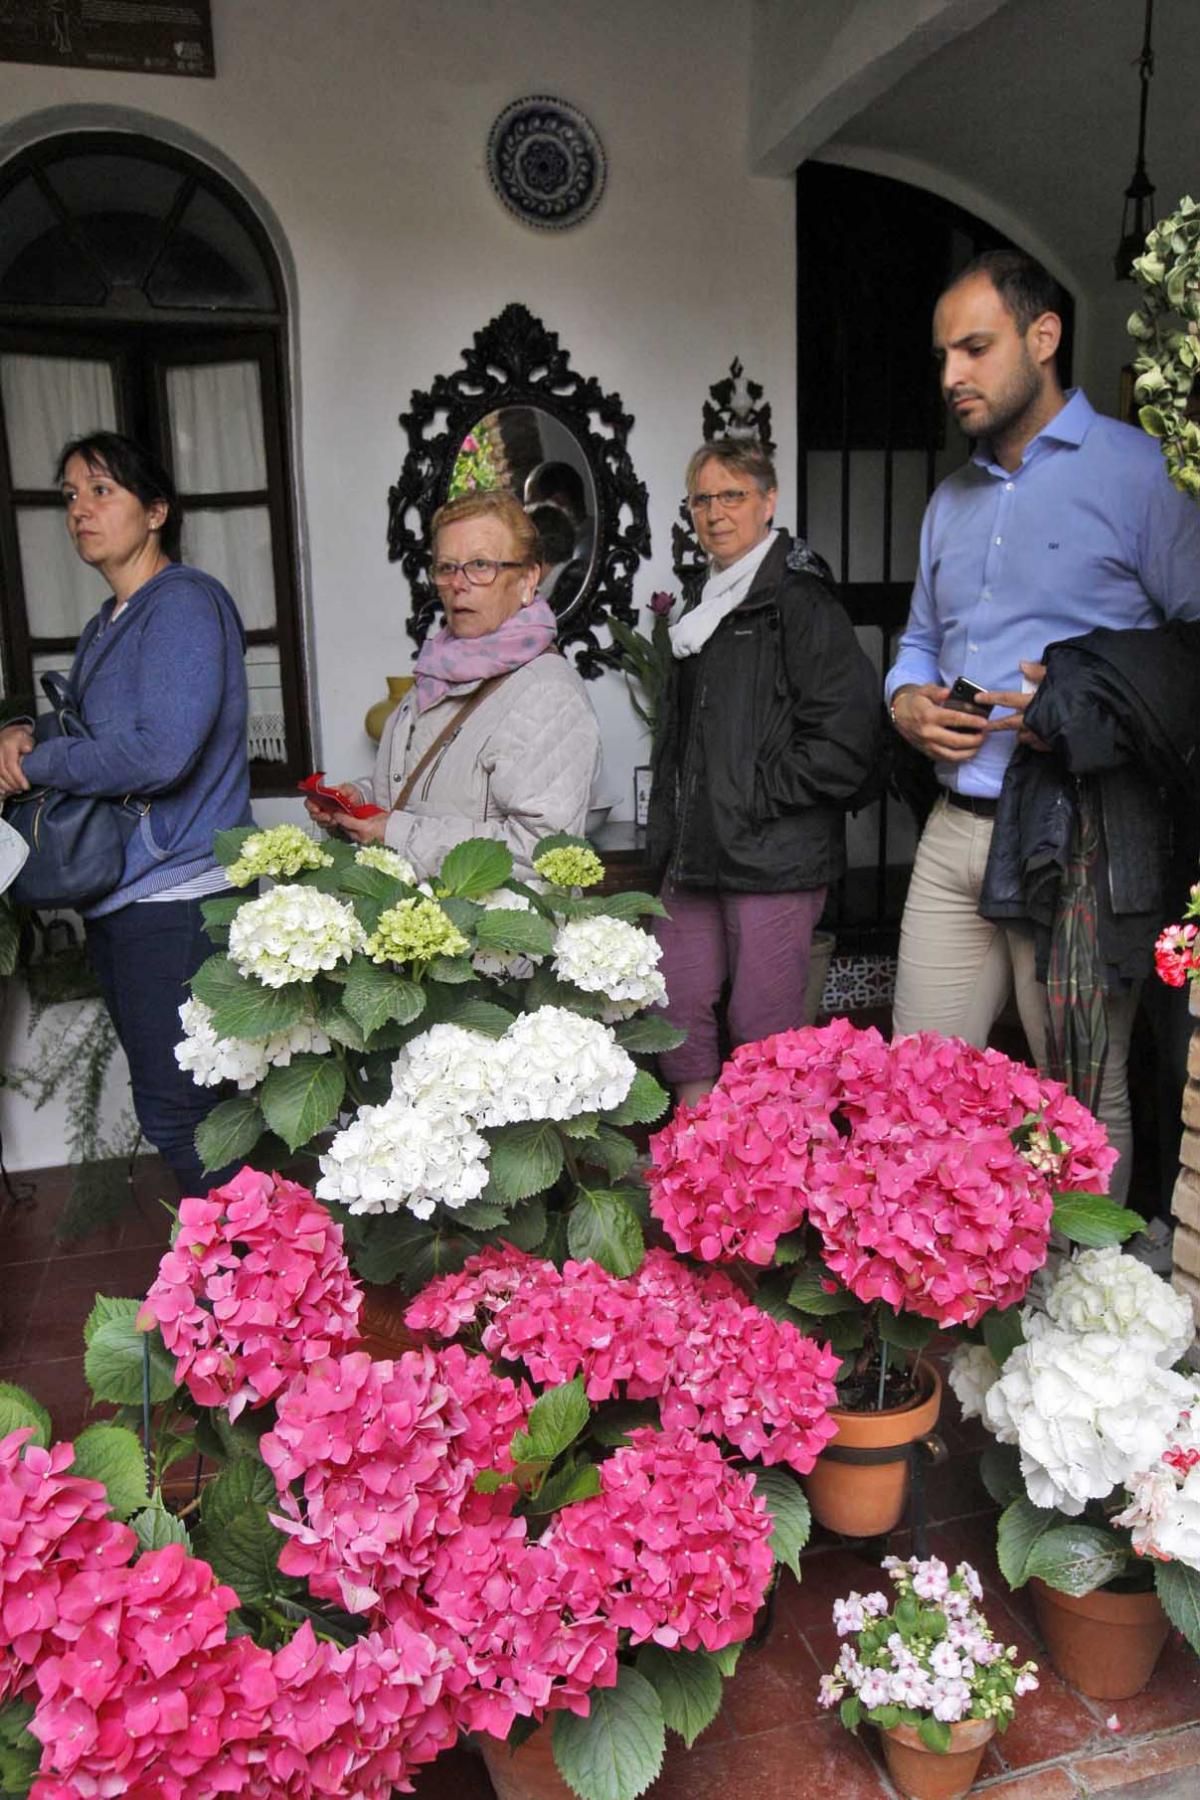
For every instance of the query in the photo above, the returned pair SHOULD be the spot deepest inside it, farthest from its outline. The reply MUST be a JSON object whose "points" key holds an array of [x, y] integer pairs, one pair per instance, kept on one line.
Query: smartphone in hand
{"points": [[964, 697], [330, 799]]}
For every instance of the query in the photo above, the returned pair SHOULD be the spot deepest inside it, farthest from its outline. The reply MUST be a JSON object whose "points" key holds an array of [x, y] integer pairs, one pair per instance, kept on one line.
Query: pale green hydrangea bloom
{"points": [[278, 853], [415, 931], [571, 865], [388, 862]]}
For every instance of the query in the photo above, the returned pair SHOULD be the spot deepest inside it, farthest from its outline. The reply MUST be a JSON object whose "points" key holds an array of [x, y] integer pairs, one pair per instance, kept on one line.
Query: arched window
{"points": [[139, 293]]}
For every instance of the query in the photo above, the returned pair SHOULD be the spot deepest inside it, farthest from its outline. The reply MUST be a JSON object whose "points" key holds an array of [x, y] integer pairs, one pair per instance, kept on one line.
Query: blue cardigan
{"points": [[164, 693]]}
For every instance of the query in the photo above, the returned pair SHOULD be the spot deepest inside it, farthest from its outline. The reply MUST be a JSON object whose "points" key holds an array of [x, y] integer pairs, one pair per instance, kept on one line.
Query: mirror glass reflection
{"points": [[530, 451]]}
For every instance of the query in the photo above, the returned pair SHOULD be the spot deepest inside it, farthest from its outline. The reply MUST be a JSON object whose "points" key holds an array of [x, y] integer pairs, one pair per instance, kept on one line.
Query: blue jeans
{"points": [[144, 956]]}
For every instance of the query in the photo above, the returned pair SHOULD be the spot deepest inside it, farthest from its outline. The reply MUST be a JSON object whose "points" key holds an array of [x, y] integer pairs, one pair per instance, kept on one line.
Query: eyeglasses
{"points": [[480, 571], [729, 499]]}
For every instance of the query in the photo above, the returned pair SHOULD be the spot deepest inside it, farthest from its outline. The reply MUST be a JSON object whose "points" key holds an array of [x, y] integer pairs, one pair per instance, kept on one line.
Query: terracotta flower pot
{"points": [[526, 1773], [866, 1498], [924, 1774], [381, 1322], [1105, 1643]]}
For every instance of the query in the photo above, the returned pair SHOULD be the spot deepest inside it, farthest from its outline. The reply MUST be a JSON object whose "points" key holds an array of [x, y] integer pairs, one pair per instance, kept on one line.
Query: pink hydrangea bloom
{"points": [[255, 1288], [56, 1539], [681, 1540], [900, 1154]]}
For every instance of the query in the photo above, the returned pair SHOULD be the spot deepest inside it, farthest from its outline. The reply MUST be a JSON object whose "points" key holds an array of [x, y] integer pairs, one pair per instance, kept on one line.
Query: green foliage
{"points": [[230, 1131], [1178, 1587], [1002, 1332], [1000, 1472], [556, 1419], [302, 1099], [1021, 1525], [689, 1687], [646, 1101], [617, 1751], [20, 1751], [374, 995], [788, 1506], [243, 1008], [1165, 326], [1075, 1557], [648, 1036], [116, 1350], [155, 1527], [474, 868], [19, 1410], [526, 1158], [113, 1455], [235, 1534], [807, 1293], [934, 1734], [1094, 1220], [10, 936], [604, 1228]]}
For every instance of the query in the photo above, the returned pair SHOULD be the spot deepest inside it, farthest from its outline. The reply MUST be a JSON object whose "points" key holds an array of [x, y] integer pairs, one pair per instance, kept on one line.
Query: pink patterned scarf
{"points": [[447, 662]]}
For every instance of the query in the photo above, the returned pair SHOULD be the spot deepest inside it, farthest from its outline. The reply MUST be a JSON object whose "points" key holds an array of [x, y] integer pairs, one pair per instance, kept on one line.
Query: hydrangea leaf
{"points": [[581, 1125], [19, 1410], [688, 1684], [246, 1481], [303, 1098], [526, 1225], [563, 1487], [1000, 1472], [1178, 1587], [463, 913], [1076, 1558], [614, 1421], [1094, 1220], [559, 840], [367, 883], [609, 1150], [217, 914], [905, 1330], [545, 989], [475, 867], [629, 906], [454, 970], [337, 1024], [604, 1228], [502, 929], [648, 1036], [230, 1131], [20, 1751], [555, 1421], [155, 1527], [376, 996], [227, 845], [646, 1101], [727, 1659], [480, 1215], [480, 1015], [242, 1008], [114, 1358], [617, 1751], [808, 1293], [113, 1455], [245, 1553], [526, 1159], [1003, 1331], [1020, 1526], [788, 1506]]}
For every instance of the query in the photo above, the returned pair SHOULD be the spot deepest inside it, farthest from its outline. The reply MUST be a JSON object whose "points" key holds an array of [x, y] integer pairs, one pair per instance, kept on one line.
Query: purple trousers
{"points": [[758, 943]]}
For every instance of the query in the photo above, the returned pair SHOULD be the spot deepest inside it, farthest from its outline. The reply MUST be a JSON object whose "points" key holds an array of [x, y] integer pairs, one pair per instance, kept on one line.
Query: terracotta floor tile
{"points": [[799, 1762], [62, 1390], [774, 1685], [20, 1284], [1138, 1762], [1172, 1698], [1042, 1784], [67, 1294], [954, 1488], [457, 1775]]}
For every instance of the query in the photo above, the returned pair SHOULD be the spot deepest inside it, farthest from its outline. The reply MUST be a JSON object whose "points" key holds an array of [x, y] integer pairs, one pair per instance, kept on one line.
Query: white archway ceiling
{"points": [[1033, 107]]}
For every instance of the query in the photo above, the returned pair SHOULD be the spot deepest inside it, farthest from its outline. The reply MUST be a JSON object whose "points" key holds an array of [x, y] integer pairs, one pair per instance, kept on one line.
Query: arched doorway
{"points": [[139, 292]]}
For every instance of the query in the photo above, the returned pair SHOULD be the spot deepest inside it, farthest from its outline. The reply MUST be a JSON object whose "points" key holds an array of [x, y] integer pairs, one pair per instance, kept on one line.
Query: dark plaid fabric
{"points": [[1077, 1022]]}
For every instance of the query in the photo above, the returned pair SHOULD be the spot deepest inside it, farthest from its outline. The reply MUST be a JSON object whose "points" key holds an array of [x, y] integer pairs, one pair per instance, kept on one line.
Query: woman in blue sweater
{"points": [[161, 683]]}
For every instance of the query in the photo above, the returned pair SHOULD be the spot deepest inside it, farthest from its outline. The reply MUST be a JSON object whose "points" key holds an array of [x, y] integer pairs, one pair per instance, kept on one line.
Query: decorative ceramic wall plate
{"points": [[546, 162]]}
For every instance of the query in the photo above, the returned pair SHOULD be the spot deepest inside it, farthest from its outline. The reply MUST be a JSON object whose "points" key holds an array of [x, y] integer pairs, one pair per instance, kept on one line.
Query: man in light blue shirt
{"points": [[1061, 521]]}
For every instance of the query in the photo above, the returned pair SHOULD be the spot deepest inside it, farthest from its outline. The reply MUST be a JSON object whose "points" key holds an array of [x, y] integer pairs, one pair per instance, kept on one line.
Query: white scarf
{"points": [[724, 589]]}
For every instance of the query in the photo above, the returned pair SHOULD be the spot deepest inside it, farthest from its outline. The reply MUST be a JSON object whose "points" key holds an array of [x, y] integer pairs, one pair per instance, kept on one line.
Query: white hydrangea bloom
{"points": [[291, 934], [1164, 1509], [556, 1064], [210, 1059], [416, 1155], [388, 862], [1105, 1290], [603, 955], [516, 965], [973, 1370], [1087, 1412], [452, 1067]]}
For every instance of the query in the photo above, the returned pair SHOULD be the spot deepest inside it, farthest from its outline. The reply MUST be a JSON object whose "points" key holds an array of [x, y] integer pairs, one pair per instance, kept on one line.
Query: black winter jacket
{"points": [[1120, 709], [785, 734]]}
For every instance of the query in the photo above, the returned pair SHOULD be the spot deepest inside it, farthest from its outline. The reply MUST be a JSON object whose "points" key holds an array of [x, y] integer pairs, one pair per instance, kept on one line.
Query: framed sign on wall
{"points": [[147, 37]]}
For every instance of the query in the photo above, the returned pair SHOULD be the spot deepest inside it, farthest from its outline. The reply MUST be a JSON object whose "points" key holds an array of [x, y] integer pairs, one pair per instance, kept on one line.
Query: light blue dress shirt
{"points": [[1087, 531]]}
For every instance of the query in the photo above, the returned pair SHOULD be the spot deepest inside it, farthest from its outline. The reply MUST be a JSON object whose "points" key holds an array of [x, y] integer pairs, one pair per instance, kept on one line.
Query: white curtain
{"points": [[47, 401], [216, 428]]}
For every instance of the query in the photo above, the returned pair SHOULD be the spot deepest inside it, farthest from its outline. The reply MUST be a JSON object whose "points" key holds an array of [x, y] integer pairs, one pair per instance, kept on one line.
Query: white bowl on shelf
{"points": [[597, 816]]}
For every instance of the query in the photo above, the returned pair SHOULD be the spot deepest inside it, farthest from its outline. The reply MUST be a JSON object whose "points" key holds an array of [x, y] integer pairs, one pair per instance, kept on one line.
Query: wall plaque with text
{"points": [[150, 37]]}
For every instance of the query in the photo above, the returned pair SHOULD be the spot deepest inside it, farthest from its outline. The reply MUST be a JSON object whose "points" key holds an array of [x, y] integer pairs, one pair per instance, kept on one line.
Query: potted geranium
{"points": [[926, 1668], [1097, 1465], [571, 1514], [461, 1053], [883, 1192]]}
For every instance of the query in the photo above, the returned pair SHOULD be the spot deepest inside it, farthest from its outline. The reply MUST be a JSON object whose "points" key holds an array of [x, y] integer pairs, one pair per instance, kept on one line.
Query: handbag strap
{"points": [[450, 729]]}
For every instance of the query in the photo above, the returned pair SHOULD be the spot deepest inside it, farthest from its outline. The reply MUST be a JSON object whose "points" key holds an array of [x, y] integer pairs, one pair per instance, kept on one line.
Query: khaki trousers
{"points": [[957, 970]]}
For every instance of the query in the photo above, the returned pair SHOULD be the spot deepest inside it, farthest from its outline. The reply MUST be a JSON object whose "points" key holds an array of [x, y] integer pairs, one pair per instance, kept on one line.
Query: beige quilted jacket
{"points": [[521, 766]]}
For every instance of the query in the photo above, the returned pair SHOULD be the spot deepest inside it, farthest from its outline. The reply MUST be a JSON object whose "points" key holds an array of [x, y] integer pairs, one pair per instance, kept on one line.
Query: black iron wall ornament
{"points": [[733, 410], [517, 415]]}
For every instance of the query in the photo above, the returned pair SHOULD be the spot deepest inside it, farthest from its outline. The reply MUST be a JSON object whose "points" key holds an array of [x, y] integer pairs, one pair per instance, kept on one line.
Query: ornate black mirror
{"points": [[516, 415]]}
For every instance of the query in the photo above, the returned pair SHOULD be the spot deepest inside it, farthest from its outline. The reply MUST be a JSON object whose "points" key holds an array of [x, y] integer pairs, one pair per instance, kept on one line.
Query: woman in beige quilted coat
{"points": [[497, 737]]}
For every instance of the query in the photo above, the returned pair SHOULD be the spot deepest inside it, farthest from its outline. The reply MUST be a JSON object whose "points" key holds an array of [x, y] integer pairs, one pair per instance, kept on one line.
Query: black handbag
{"points": [[76, 841]]}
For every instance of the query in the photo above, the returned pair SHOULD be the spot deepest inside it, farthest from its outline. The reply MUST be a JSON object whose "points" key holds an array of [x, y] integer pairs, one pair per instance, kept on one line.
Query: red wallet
{"points": [[314, 785]]}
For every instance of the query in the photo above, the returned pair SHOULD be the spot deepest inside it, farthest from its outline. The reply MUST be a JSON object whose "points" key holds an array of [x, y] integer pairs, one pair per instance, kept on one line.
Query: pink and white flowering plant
{"points": [[891, 1189], [925, 1656], [571, 1479]]}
